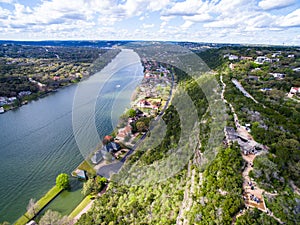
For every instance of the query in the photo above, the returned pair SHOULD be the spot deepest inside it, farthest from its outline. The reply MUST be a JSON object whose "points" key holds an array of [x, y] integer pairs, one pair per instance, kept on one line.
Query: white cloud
{"points": [[187, 24], [199, 18], [6, 1], [147, 26], [275, 4], [202, 20], [188, 7], [290, 20], [4, 13]]}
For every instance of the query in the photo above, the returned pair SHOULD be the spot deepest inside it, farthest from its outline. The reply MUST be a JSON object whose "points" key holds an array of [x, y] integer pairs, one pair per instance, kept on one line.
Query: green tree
{"points": [[100, 182], [88, 187], [93, 185], [62, 181], [141, 126], [131, 113]]}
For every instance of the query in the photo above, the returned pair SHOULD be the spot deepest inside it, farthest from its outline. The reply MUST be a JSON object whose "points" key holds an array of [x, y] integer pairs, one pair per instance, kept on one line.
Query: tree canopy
{"points": [[62, 181]]}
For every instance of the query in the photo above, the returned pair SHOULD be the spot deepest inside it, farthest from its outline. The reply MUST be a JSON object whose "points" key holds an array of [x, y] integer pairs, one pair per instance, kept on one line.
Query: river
{"points": [[37, 141]]}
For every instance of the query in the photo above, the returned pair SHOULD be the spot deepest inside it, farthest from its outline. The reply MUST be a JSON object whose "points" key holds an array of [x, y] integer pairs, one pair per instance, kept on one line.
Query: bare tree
{"points": [[32, 207], [54, 218]]}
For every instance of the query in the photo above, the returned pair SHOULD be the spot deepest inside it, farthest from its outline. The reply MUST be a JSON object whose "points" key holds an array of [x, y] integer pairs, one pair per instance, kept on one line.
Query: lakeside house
{"points": [[97, 157], [24, 93], [124, 132]]}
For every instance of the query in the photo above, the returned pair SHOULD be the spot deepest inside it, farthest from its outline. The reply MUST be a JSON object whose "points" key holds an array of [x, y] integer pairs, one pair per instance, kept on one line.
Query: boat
{"points": [[118, 85], [2, 110]]}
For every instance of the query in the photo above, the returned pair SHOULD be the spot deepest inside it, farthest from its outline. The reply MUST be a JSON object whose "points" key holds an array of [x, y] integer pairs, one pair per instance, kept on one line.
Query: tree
{"points": [[93, 185], [5, 223], [88, 187], [131, 113], [32, 207], [100, 182], [54, 218], [62, 181], [141, 126]]}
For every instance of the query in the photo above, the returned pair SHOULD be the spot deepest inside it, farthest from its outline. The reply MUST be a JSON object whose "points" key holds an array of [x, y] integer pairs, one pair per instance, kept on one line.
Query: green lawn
{"points": [[51, 194], [87, 167], [81, 206]]}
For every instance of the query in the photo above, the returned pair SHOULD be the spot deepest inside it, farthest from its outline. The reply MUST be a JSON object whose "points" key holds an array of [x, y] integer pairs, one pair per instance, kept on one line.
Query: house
{"points": [[97, 157], [266, 89], [296, 69], [278, 75], [115, 146], [107, 139], [291, 56], [295, 90], [123, 132], [144, 104], [253, 78], [2, 110], [231, 66], [3, 101], [276, 54], [262, 59], [255, 69], [24, 93], [231, 57], [246, 58]]}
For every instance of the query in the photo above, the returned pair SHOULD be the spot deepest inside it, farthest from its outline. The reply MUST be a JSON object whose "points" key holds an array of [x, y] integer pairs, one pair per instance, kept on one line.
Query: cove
{"points": [[37, 140]]}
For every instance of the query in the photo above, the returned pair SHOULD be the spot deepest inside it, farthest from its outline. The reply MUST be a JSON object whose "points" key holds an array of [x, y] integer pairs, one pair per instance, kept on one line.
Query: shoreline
{"points": [[41, 94]]}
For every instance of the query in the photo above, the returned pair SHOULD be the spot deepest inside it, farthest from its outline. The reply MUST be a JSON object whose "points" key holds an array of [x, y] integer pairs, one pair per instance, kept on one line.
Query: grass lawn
{"points": [[87, 167], [51, 194], [81, 206]]}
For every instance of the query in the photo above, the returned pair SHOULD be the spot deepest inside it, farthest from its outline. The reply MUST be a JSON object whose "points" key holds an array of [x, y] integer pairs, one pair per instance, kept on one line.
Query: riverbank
{"points": [[40, 205], [155, 109], [38, 140], [37, 77]]}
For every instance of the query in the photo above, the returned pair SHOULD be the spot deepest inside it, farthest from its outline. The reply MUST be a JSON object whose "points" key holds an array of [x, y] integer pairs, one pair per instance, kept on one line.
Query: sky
{"points": [[217, 21]]}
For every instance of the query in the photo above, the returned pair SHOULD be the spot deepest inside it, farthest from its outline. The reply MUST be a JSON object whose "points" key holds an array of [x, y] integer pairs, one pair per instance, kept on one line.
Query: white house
{"points": [[262, 59], [293, 91], [278, 75]]}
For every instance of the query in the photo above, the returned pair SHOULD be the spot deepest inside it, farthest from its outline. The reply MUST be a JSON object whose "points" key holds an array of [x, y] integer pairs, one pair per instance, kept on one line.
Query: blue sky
{"points": [[230, 21]]}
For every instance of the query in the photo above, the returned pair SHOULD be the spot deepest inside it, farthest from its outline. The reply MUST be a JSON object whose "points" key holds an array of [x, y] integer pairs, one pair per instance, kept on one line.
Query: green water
{"points": [[66, 201]]}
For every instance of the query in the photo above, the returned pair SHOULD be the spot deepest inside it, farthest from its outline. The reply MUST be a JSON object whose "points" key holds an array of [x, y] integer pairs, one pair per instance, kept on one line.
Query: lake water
{"points": [[37, 141]]}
